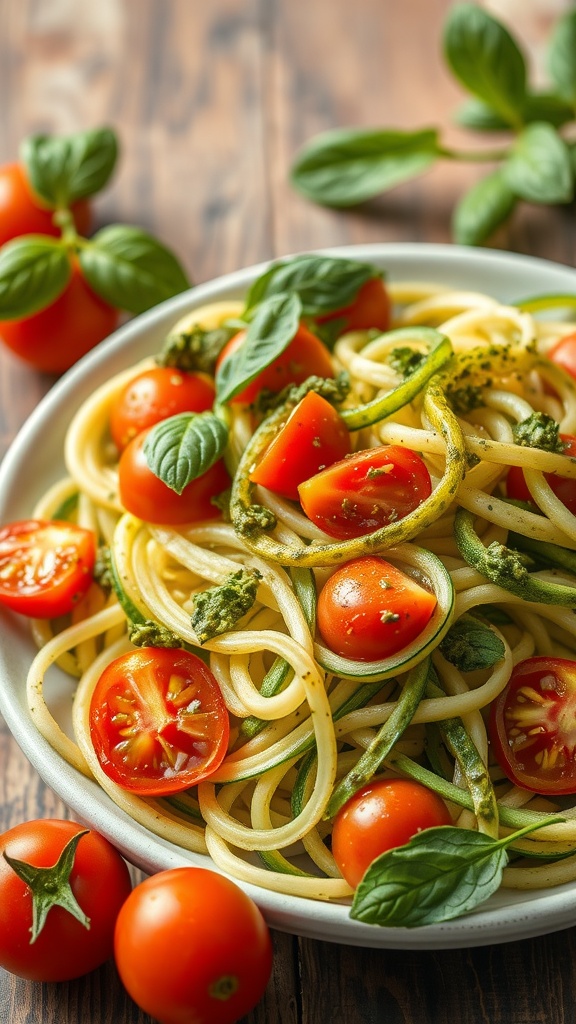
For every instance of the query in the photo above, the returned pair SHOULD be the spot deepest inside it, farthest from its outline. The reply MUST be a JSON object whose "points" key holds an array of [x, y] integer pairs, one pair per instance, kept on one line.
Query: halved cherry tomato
{"points": [[313, 437], [149, 498], [23, 213], [563, 487], [382, 815], [154, 395], [158, 721], [533, 726], [368, 609], [366, 491], [563, 354], [371, 309], [305, 356], [45, 566]]}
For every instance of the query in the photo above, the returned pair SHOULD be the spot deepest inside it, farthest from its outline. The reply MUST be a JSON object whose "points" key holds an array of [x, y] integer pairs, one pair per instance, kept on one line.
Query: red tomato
{"points": [[382, 815], [371, 308], [563, 354], [57, 336], [158, 721], [563, 488], [65, 948], [313, 437], [369, 609], [191, 946], [532, 726], [154, 395], [305, 356], [45, 566], [149, 498], [23, 213], [366, 491]]}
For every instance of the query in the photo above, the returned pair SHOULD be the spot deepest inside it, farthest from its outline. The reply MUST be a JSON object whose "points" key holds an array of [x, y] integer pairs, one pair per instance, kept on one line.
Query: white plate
{"points": [[35, 460]]}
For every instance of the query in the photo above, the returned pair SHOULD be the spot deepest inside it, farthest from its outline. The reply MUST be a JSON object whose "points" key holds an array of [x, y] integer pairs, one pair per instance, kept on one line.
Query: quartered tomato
{"points": [[368, 609], [154, 395], [313, 437], [371, 309], [45, 566], [158, 721], [563, 354], [366, 491], [563, 487], [533, 726]]}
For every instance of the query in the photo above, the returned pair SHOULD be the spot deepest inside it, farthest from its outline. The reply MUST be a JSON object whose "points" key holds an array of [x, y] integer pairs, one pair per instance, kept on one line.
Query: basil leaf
{"points": [[539, 168], [541, 106], [470, 645], [183, 447], [130, 269], [323, 283], [274, 325], [486, 59], [63, 170], [347, 166], [34, 271], [482, 209], [562, 56]]}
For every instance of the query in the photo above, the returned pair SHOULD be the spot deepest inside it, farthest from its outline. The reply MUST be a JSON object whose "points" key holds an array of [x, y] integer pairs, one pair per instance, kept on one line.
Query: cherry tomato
{"points": [[368, 609], [366, 491], [371, 309], [563, 354], [305, 356], [23, 213], [382, 815], [65, 948], [563, 488], [313, 437], [149, 498], [191, 946], [532, 726], [154, 395], [57, 336], [45, 566], [158, 721]]}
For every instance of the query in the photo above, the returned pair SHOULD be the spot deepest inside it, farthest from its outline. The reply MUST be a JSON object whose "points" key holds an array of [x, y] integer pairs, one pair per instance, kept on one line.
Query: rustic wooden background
{"points": [[211, 100]]}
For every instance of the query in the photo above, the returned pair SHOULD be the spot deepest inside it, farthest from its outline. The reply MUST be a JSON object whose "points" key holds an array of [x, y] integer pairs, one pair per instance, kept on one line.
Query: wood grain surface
{"points": [[211, 100]]}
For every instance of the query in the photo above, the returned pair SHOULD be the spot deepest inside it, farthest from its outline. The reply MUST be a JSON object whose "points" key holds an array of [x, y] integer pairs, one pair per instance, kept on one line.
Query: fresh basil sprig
{"points": [[63, 170], [537, 165], [183, 447]]}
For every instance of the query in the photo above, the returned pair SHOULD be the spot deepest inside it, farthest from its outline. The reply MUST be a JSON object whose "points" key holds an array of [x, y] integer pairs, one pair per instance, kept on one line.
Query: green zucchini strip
{"points": [[537, 302]]}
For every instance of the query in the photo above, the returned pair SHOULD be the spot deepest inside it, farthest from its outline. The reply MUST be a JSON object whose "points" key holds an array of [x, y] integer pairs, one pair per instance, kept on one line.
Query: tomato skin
{"points": [[531, 726], [101, 883], [149, 498], [313, 437], [23, 213], [563, 354], [305, 356], [366, 491], [382, 815], [368, 609], [371, 309], [145, 702], [45, 566], [563, 487], [53, 339], [154, 395], [191, 946]]}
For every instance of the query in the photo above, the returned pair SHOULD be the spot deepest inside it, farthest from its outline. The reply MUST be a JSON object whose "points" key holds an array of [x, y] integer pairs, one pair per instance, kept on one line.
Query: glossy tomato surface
{"points": [[366, 491], [65, 947], [369, 610], [23, 213], [313, 437], [533, 726], [305, 356], [154, 395], [382, 815], [563, 354], [45, 566], [371, 309], [563, 487], [158, 721]]}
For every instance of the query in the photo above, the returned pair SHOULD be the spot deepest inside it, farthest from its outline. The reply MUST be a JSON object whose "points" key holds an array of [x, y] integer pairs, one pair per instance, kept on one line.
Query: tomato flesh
{"points": [[371, 309], [563, 487], [369, 610], [366, 491], [45, 566], [158, 721], [154, 395], [533, 726], [313, 437]]}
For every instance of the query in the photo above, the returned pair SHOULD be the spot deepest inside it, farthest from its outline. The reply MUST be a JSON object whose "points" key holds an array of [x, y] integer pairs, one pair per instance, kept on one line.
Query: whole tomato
{"points": [[191, 946], [23, 213]]}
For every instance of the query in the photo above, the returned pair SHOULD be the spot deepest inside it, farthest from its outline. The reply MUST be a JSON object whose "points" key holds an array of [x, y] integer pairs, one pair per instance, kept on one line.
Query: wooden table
{"points": [[211, 101]]}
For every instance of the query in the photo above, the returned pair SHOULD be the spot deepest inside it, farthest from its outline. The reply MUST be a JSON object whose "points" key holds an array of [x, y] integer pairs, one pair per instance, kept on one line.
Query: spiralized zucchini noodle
{"points": [[264, 816]]}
